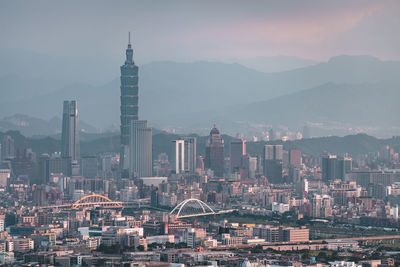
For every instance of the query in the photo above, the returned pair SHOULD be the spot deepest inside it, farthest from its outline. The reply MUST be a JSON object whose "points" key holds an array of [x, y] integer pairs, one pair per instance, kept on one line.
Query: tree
{"points": [[322, 255]]}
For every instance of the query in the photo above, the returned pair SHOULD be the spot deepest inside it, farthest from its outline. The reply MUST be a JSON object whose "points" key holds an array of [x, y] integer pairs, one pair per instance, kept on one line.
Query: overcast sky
{"points": [[205, 30]]}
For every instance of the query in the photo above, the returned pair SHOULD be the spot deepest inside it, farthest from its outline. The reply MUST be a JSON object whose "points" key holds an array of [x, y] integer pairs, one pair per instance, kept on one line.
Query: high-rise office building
{"points": [[271, 135], [250, 164], [43, 163], [295, 157], [89, 166], [215, 153], [334, 167], [316, 204], [70, 132], [273, 155], [129, 105], [273, 171], [237, 152], [140, 149], [178, 159], [53, 165], [329, 167], [5, 174], [190, 154], [273, 152], [7, 148]]}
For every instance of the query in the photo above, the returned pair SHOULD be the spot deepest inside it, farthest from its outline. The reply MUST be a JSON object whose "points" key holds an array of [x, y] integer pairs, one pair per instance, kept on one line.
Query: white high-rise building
{"points": [[141, 161], [179, 156], [396, 212], [5, 174], [305, 185], [7, 148]]}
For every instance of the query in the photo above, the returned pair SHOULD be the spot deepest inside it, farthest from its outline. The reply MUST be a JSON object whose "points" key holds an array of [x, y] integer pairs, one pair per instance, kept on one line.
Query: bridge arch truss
{"points": [[192, 208], [95, 200]]}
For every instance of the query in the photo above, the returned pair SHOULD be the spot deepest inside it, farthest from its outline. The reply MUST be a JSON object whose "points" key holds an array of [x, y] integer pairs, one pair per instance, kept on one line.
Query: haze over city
{"points": [[200, 133], [188, 49]]}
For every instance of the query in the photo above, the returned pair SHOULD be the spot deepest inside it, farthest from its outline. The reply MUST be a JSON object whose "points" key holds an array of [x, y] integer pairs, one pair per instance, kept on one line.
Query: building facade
{"points": [[236, 152], [129, 105], [215, 153], [178, 160], [140, 149], [70, 131], [190, 154], [334, 167], [7, 148], [273, 155]]}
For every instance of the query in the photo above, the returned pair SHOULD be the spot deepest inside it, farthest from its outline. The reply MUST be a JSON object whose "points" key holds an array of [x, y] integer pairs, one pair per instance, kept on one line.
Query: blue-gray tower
{"points": [[129, 105], [70, 131]]}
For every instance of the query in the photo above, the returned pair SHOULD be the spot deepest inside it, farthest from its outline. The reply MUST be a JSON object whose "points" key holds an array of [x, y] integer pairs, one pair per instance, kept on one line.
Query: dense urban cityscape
{"points": [[148, 196]]}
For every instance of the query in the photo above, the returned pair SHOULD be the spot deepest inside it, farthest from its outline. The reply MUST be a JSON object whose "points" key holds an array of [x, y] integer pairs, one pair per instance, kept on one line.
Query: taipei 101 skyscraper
{"points": [[129, 105]]}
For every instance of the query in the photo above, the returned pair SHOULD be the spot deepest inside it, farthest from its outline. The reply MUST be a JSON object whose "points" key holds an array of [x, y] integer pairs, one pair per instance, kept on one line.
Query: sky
{"points": [[182, 30]]}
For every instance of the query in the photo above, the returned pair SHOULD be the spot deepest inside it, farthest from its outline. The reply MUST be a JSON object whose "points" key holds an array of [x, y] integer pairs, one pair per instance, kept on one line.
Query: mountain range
{"points": [[31, 126], [94, 144], [343, 95], [274, 63]]}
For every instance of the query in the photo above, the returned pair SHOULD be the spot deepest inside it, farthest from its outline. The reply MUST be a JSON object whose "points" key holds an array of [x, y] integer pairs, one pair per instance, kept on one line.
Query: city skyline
{"points": [[289, 178], [282, 49]]}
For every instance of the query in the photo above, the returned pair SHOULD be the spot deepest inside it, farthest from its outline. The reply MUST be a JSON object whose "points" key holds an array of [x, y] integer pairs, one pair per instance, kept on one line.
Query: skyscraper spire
{"points": [[129, 104], [129, 51]]}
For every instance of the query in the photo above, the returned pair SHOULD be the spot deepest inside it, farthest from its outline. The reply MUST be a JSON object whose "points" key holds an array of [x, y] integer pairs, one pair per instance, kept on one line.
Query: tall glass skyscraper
{"points": [[129, 105], [190, 154], [273, 156], [141, 159], [215, 153], [237, 152], [70, 132]]}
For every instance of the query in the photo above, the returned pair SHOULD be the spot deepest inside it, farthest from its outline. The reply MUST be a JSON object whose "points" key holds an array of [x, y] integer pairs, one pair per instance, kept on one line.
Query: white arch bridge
{"points": [[194, 207]]}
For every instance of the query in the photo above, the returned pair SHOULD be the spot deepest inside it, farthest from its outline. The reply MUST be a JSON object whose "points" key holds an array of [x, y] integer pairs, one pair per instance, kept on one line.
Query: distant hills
{"points": [[30, 126], [93, 144], [342, 93], [275, 63], [329, 108], [373, 104], [169, 89]]}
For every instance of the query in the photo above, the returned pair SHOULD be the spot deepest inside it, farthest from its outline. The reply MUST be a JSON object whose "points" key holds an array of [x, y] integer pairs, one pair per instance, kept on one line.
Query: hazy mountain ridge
{"points": [[357, 104], [274, 63], [170, 88], [30, 126], [162, 143]]}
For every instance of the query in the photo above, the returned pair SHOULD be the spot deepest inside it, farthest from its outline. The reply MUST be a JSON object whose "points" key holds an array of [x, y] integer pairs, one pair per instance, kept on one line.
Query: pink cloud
{"points": [[296, 32], [304, 28]]}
